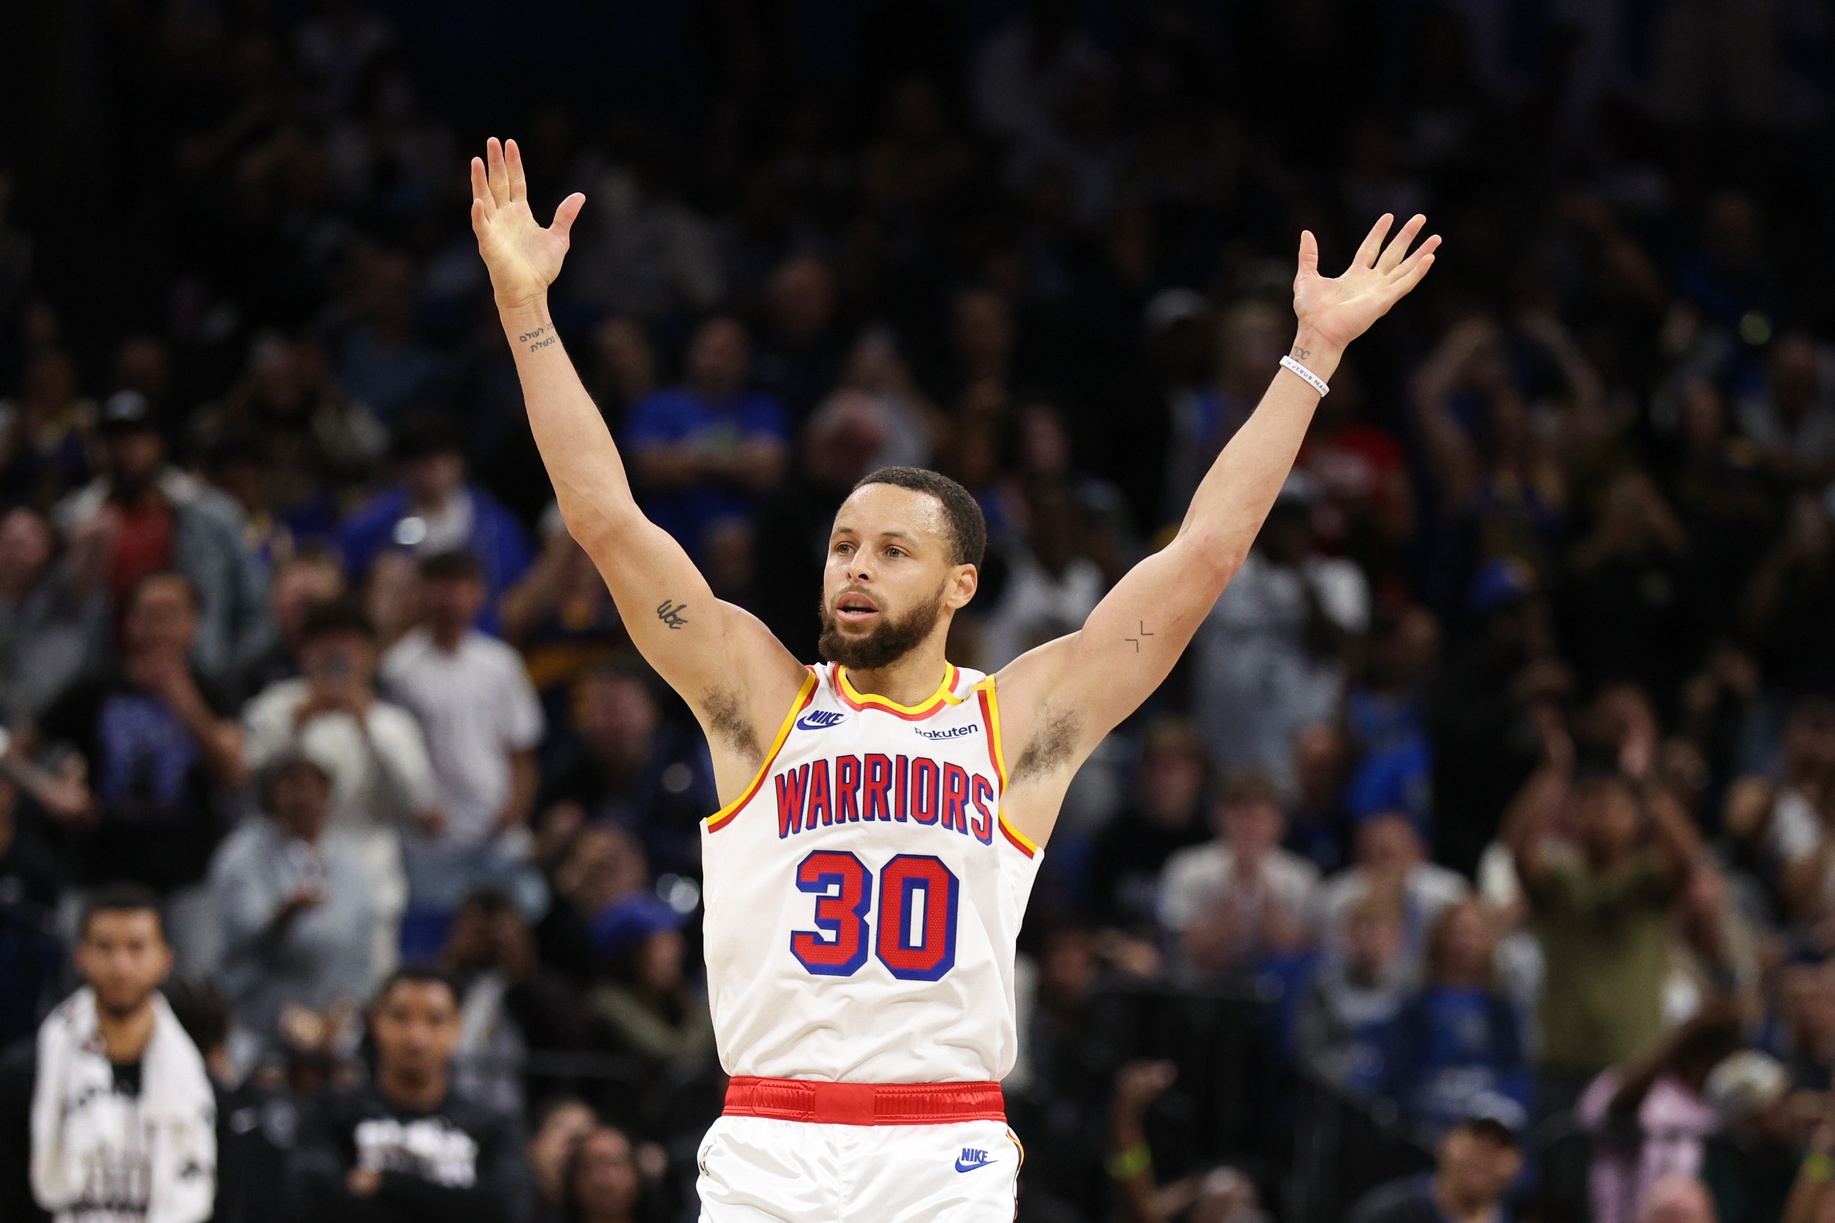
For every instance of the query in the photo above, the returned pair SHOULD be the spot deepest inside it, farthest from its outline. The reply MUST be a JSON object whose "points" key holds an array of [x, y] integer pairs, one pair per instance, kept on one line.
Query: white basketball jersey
{"points": [[864, 894]]}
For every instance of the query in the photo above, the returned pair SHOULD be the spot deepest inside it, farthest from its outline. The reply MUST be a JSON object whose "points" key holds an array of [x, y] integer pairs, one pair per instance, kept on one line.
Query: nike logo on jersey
{"points": [[972, 1158], [953, 732], [821, 719]]}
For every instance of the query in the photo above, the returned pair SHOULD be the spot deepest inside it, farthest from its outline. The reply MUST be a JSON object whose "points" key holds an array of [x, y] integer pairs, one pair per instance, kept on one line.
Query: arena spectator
{"points": [[646, 1003], [379, 358], [373, 752], [1457, 1035], [1391, 857], [1051, 584], [482, 722], [1481, 719], [405, 1146], [561, 615], [314, 439], [298, 908], [1751, 1162], [110, 1067], [311, 575], [1791, 415], [707, 450], [45, 433], [509, 1003], [53, 616], [1347, 1019], [31, 884], [1602, 915], [256, 1125], [1476, 1163], [599, 866], [1266, 662], [152, 517], [624, 764], [1165, 817], [1240, 897], [433, 509], [161, 760], [1318, 825], [800, 356], [560, 1123], [1386, 719], [604, 1184], [1650, 1117]]}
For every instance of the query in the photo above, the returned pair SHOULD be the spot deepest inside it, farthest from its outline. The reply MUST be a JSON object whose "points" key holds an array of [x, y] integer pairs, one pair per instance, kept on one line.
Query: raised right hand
{"points": [[523, 257]]}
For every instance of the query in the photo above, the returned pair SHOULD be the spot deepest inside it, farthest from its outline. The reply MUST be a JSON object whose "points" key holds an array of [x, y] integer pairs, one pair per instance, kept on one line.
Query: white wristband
{"points": [[1317, 383]]}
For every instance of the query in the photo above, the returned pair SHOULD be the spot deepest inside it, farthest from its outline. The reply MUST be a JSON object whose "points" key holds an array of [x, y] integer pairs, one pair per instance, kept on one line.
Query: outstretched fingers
{"points": [[1392, 254], [482, 203], [1309, 253], [1409, 274], [565, 214], [1373, 242], [498, 172], [519, 184]]}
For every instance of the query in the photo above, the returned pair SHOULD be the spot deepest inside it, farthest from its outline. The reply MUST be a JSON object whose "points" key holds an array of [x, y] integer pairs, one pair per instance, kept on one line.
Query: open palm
{"points": [[1338, 310], [523, 257]]}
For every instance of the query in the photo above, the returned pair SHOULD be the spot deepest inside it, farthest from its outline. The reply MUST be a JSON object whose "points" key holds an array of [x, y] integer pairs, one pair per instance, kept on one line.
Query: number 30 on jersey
{"points": [[916, 922]]}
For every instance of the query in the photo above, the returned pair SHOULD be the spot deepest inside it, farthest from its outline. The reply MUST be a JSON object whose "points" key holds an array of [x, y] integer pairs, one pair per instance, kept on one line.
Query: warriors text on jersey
{"points": [[864, 894]]}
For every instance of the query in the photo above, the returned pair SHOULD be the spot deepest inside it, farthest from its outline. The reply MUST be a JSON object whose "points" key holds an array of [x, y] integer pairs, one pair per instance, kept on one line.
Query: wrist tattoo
{"points": [[1135, 641], [1300, 354], [670, 613], [542, 337]]}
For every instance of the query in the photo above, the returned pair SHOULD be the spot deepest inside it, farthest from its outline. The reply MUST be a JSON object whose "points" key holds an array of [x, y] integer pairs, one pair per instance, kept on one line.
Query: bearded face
{"points": [[883, 639]]}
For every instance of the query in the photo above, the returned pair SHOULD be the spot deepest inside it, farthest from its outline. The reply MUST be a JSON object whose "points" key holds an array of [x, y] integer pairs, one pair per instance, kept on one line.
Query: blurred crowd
{"points": [[1498, 790]]}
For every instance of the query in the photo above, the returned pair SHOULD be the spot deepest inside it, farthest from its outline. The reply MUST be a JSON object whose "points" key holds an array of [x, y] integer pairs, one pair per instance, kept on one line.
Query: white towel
{"points": [[99, 1156]]}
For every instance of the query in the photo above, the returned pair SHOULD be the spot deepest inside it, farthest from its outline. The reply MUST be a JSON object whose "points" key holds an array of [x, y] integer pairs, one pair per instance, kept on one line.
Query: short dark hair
{"points": [[967, 528], [418, 974], [278, 768], [162, 575], [1249, 786], [200, 1009], [423, 435], [455, 565], [336, 617], [120, 898]]}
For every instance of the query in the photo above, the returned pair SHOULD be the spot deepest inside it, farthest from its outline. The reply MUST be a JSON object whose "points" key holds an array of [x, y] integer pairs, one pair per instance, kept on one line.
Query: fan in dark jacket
{"points": [[404, 1148]]}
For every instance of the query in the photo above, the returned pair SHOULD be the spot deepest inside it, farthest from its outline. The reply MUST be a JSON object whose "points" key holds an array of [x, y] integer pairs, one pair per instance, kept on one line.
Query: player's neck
{"points": [[910, 680]]}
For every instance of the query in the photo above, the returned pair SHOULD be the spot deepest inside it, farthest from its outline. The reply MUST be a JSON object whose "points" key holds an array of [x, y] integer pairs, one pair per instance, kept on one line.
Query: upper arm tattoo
{"points": [[670, 613], [1052, 743], [726, 719]]}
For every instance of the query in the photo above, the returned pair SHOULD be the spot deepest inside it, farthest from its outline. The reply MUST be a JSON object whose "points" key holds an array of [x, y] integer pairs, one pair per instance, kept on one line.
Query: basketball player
{"points": [[885, 809]]}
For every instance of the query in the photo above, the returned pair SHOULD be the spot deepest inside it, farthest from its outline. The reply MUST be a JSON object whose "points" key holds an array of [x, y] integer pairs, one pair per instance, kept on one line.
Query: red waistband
{"points": [[864, 1103]]}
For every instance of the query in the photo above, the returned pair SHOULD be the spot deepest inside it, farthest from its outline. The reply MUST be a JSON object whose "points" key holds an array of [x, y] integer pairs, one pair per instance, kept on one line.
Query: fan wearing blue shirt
{"points": [[705, 452]]}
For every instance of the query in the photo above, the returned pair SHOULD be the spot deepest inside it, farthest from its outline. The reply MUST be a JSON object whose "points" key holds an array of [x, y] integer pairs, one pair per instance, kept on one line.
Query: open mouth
{"points": [[855, 609]]}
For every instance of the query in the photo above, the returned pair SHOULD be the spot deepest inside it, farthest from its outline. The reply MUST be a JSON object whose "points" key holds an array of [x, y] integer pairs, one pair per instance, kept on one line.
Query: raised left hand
{"points": [[1334, 311]]}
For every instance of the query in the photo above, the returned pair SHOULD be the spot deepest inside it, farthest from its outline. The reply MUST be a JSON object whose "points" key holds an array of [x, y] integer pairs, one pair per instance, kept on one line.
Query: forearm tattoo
{"points": [[670, 613], [541, 337]]}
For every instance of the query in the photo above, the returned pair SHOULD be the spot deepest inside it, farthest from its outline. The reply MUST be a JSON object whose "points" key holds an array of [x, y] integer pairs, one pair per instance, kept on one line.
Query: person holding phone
{"points": [[373, 752], [299, 919]]}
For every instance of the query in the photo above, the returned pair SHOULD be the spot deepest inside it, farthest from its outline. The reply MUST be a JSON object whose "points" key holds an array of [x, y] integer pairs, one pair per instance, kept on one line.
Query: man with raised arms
{"points": [[885, 810]]}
